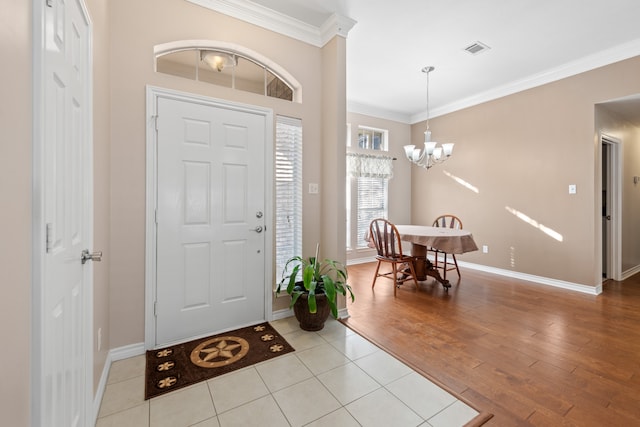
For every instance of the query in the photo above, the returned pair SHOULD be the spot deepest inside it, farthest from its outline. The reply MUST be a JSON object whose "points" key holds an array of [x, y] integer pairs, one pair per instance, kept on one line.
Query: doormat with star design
{"points": [[181, 365]]}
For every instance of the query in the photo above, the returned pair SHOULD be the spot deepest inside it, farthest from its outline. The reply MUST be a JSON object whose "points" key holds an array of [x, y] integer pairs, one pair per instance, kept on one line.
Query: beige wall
{"points": [[631, 201], [521, 152], [136, 28], [15, 210], [99, 13], [400, 184], [612, 124]]}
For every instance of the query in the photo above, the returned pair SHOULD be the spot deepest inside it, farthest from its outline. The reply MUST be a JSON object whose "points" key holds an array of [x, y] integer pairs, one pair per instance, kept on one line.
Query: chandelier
{"points": [[432, 154]]}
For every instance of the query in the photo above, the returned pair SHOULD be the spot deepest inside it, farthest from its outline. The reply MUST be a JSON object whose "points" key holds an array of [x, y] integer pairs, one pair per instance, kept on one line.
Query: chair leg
{"points": [[375, 276], [444, 270], [455, 261], [395, 278]]}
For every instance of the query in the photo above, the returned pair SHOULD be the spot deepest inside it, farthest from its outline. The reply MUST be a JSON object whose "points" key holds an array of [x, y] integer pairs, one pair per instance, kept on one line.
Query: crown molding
{"points": [[381, 113], [335, 25], [588, 63], [244, 10]]}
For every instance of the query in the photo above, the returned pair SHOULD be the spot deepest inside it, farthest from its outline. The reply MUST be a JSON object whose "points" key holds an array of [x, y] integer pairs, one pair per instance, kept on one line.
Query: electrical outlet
{"points": [[313, 188], [573, 189], [485, 249]]}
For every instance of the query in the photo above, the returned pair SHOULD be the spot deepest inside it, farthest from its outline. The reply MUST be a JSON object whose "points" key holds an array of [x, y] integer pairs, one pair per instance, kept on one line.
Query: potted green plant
{"points": [[314, 286]]}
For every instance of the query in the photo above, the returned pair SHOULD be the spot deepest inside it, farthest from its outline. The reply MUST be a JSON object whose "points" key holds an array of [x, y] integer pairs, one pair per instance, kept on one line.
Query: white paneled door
{"points": [[63, 211], [210, 269]]}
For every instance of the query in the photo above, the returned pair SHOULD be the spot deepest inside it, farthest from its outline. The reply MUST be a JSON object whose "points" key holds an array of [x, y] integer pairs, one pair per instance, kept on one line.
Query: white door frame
{"points": [[38, 273], [153, 93], [614, 200]]}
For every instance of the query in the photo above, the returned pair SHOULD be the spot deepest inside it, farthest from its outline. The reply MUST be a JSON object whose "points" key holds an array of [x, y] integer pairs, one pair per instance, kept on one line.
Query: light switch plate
{"points": [[573, 189]]}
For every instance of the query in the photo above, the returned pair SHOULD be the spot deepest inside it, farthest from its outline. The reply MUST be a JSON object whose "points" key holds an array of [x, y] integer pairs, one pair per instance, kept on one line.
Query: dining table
{"points": [[423, 237]]}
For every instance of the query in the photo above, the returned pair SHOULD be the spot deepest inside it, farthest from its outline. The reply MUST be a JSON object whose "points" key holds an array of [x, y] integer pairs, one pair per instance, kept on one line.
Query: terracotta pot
{"points": [[312, 321]]}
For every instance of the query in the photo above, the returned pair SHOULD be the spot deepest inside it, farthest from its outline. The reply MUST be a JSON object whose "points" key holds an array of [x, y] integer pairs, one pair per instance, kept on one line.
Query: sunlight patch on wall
{"points": [[462, 182], [546, 230]]}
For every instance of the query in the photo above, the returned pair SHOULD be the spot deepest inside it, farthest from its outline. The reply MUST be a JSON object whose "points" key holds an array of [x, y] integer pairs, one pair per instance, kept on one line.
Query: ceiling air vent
{"points": [[476, 48]]}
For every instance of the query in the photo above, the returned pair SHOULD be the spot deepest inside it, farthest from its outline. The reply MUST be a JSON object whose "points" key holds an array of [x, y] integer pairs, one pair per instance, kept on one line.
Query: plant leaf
{"points": [[311, 299], [307, 276], [292, 278], [294, 298]]}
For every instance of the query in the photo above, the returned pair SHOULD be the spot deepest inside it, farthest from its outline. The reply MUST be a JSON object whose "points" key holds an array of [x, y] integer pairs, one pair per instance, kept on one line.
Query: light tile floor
{"points": [[334, 378]]}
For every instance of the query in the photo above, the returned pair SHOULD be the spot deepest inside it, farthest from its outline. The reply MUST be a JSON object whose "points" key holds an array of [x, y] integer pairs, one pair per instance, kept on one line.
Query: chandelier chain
{"points": [[428, 113]]}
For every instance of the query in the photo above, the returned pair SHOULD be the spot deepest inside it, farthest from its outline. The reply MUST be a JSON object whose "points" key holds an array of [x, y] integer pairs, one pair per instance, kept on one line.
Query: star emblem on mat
{"points": [[267, 337], [259, 328], [222, 349]]}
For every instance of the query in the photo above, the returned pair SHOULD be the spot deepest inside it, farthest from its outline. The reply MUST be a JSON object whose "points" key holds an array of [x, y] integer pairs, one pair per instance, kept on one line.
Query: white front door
{"points": [[63, 211], [211, 219]]}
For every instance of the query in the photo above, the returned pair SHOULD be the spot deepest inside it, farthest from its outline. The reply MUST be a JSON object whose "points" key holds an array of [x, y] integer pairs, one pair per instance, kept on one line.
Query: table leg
{"points": [[425, 268]]}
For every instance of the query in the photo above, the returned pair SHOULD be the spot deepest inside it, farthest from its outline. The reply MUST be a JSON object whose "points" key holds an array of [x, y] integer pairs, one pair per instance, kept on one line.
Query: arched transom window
{"points": [[228, 65]]}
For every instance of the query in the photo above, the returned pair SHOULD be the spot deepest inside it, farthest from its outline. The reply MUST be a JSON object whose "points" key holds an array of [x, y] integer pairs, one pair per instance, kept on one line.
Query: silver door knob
{"points": [[258, 229], [91, 256]]}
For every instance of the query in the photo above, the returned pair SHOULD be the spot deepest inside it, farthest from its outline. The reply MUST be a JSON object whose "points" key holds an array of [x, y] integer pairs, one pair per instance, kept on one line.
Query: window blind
{"points": [[372, 204], [369, 168], [288, 191]]}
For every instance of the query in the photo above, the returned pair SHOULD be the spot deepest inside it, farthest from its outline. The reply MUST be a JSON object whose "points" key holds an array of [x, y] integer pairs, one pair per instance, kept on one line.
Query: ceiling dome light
{"points": [[218, 60]]}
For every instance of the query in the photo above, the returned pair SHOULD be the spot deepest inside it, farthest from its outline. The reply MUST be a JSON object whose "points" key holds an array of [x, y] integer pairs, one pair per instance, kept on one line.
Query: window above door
{"points": [[227, 65]]}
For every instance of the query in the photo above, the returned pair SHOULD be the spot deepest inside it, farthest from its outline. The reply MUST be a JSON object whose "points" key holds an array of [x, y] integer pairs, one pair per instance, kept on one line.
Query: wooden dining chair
{"points": [[450, 221], [386, 239]]}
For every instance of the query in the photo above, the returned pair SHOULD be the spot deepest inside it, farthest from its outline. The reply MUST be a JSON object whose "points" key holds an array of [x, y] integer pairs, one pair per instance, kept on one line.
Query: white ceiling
{"points": [[531, 42]]}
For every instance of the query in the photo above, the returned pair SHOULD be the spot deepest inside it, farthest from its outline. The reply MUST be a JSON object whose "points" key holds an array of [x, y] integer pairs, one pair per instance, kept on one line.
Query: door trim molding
{"points": [[615, 182], [38, 220], [152, 95]]}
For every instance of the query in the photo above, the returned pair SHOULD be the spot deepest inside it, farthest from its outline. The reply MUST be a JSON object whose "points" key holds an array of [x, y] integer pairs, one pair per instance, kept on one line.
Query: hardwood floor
{"points": [[529, 354]]}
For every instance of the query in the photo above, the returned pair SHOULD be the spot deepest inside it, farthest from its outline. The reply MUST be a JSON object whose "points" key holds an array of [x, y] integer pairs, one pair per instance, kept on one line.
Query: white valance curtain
{"points": [[369, 166]]}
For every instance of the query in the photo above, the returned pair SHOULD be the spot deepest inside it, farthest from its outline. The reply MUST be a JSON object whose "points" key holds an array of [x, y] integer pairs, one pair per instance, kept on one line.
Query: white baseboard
{"points": [[343, 313], [361, 260], [127, 351], [630, 272], [282, 314], [578, 287], [114, 355]]}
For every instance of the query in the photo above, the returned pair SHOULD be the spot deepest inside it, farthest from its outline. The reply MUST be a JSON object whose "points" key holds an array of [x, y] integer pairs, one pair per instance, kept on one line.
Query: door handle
{"points": [[91, 256], [608, 217], [258, 229]]}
